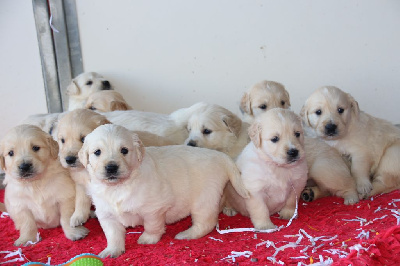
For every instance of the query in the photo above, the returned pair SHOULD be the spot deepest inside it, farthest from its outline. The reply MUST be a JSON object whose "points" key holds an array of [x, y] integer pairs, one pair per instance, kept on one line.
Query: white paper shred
{"points": [[216, 239], [33, 243], [237, 254], [51, 24], [17, 252], [396, 214], [4, 215], [359, 219], [363, 235], [333, 251]]}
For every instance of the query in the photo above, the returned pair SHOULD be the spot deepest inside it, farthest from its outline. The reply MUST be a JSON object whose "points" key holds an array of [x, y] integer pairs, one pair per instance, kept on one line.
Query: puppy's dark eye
{"points": [[124, 151], [97, 152], [35, 148], [62, 140], [282, 103], [92, 108], [318, 112], [83, 139], [340, 110], [297, 134], [11, 153], [207, 131], [188, 129], [275, 139], [89, 83], [263, 106]]}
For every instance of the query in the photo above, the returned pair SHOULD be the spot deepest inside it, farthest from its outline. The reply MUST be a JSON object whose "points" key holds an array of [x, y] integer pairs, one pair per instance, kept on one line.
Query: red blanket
{"points": [[325, 230]]}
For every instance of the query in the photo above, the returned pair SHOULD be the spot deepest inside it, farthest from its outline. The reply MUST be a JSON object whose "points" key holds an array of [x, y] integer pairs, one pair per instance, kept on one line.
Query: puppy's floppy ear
{"points": [[83, 155], [288, 98], [233, 123], [304, 115], [2, 160], [255, 131], [118, 105], [354, 105], [245, 105], [73, 88], [53, 146], [137, 143], [102, 121]]}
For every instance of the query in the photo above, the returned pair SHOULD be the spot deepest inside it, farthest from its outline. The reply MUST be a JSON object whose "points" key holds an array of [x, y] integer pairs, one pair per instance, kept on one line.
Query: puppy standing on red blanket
{"points": [[273, 167], [39, 191], [133, 185]]}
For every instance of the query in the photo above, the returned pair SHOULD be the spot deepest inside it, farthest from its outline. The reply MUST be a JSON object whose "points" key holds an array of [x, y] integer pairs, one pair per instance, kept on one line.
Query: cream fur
{"points": [[107, 101], [153, 186]]}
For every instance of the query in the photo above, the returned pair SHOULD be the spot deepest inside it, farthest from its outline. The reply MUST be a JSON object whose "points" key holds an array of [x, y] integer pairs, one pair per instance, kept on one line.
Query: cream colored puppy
{"points": [[106, 101], [39, 191], [132, 185], [72, 129], [46, 122], [215, 127], [171, 127], [82, 86], [263, 96], [373, 144], [273, 167]]}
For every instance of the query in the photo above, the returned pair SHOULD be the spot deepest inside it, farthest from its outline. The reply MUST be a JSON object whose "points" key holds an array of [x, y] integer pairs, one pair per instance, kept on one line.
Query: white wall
{"points": [[21, 84], [163, 55]]}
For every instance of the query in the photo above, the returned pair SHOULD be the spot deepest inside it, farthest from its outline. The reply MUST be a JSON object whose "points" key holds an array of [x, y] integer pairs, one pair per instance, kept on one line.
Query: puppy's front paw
{"points": [[76, 233], [351, 199], [112, 252], [78, 219], [364, 187], [308, 194], [147, 238], [286, 213], [264, 226], [229, 211], [26, 240]]}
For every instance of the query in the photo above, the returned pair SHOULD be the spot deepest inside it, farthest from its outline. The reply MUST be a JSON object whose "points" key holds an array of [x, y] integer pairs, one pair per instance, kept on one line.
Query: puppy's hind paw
{"points": [[26, 241], [76, 233], [308, 194], [111, 252], [229, 211], [147, 238], [78, 219], [364, 188]]}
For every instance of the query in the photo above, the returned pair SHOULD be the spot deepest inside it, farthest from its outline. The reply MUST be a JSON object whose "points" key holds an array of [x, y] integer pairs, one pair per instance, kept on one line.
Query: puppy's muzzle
{"points": [[330, 129], [192, 143], [106, 85], [292, 155], [70, 160], [25, 169], [111, 170]]}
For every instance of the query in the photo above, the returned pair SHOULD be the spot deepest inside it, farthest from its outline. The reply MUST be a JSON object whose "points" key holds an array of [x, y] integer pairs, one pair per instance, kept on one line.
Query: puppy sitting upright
{"points": [[132, 185], [39, 191], [273, 167], [373, 144], [71, 130], [82, 86]]}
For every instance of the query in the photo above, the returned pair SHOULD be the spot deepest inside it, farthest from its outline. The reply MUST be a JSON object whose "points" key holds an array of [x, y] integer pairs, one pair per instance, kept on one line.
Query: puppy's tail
{"points": [[236, 180]]}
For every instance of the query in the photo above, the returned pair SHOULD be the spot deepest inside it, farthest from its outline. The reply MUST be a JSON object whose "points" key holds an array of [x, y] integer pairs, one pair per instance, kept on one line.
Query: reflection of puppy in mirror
{"points": [[372, 144], [71, 132], [106, 101], [82, 86], [215, 127], [39, 191], [273, 167], [132, 185], [263, 96]]}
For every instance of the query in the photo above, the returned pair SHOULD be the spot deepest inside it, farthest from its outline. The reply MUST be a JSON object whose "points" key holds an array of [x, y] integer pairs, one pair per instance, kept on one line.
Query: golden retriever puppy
{"points": [[72, 129], [82, 86], [106, 101], [373, 144], [171, 127], [132, 185], [273, 167], [39, 191], [46, 122], [215, 127], [263, 96]]}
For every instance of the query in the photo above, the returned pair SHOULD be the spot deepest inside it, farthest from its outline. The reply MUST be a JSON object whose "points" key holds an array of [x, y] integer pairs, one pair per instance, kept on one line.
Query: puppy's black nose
{"points": [[330, 129], [25, 168], [111, 168], [192, 143], [106, 85], [293, 153], [70, 159]]}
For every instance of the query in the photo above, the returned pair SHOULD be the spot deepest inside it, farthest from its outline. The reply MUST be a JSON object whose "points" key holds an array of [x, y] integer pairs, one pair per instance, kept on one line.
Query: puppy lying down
{"points": [[132, 185], [273, 167], [39, 191]]}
